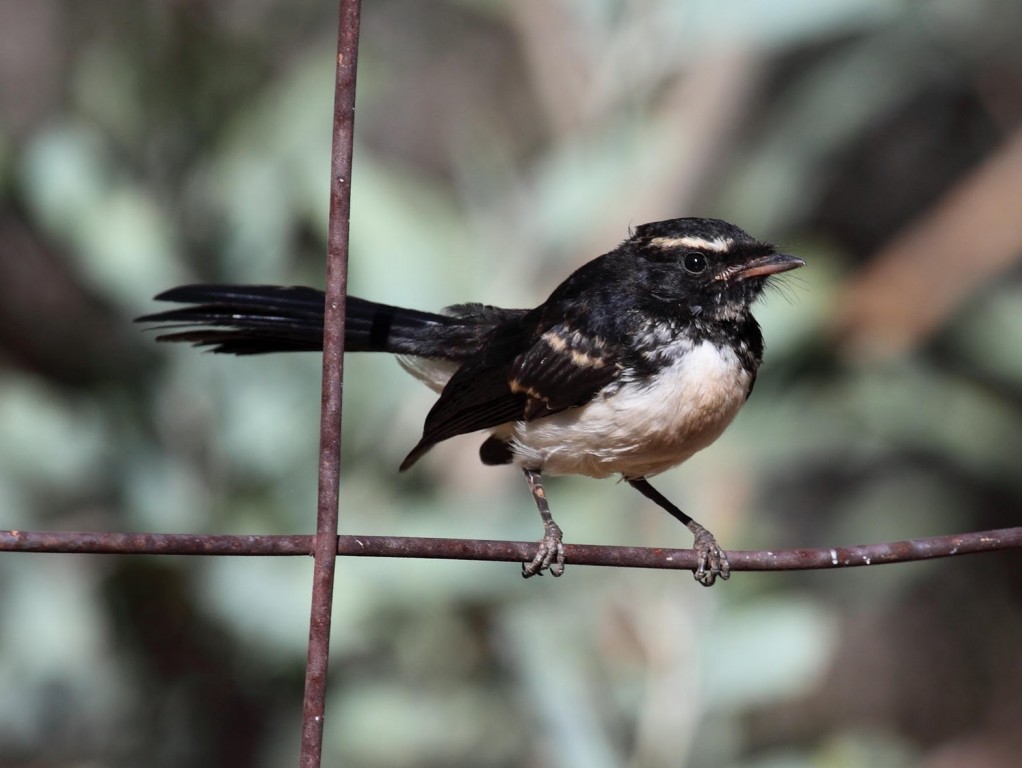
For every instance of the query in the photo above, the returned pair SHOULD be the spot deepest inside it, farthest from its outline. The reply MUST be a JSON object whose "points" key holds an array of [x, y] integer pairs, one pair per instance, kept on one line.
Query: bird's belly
{"points": [[641, 428]]}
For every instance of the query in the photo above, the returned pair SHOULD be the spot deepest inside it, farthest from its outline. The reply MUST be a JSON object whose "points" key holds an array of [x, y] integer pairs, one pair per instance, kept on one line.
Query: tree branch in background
{"points": [[924, 274]]}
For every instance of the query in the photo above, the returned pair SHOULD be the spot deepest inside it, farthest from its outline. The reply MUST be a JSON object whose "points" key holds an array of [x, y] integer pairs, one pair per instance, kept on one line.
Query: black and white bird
{"points": [[640, 358]]}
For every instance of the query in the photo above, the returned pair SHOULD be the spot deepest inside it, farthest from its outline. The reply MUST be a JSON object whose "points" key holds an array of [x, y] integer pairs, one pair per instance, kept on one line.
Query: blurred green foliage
{"points": [[499, 145]]}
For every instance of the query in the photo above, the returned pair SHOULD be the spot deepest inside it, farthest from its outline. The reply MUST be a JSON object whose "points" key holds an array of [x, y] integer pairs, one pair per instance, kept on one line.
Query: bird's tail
{"points": [[256, 319]]}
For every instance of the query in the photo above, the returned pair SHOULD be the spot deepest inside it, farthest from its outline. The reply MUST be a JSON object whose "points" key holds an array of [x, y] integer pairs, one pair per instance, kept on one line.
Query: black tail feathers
{"points": [[242, 319], [257, 319]]}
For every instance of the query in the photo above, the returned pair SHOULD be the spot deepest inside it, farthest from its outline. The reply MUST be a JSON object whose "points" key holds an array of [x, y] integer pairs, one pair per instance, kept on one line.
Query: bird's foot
{"points": [[549, 555], [712, 561]]}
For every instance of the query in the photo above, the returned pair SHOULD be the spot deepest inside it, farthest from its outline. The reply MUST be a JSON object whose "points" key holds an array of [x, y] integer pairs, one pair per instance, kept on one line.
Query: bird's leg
{"points": [[712, 560], [551, 550]]}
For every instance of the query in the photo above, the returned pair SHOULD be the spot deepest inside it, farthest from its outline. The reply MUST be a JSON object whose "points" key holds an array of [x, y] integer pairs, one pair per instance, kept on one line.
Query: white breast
{"points": [[642, 428]]}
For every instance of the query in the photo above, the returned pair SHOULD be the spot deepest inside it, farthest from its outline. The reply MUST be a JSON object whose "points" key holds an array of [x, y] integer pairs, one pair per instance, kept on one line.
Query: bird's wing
{"points": [[562, 369], [522, 373]]}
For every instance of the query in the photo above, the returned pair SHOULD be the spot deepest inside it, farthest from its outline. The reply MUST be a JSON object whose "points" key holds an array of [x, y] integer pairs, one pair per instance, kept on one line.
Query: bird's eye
{"points": [[695, 262]]}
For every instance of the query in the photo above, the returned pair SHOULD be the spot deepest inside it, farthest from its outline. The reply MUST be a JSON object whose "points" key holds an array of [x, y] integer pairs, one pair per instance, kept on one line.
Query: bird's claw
{"points": [[712, 561], [549, 554]]}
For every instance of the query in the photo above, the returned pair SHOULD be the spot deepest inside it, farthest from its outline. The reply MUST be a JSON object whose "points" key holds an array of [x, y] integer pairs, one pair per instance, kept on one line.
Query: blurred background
{"points": [[145, 143]]}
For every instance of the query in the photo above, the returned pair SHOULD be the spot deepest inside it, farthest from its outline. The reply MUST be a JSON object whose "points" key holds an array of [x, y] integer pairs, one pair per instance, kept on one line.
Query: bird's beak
{"points": [[762, 266]]}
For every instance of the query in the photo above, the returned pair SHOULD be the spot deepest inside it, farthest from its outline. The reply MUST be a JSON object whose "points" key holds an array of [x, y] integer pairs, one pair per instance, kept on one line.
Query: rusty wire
{"points": [[325, 541], [511, 551]]}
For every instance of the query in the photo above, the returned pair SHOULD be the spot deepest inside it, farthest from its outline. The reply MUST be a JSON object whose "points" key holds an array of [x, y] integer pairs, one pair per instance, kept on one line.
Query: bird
{"points": [[636, 361]]}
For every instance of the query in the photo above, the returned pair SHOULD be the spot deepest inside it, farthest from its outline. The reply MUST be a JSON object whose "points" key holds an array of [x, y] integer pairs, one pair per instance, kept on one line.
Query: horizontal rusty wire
{"points": [[510, 551]]}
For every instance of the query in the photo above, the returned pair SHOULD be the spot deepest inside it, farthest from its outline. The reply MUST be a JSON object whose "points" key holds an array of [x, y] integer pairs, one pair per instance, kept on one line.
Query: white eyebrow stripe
{"points": [[717, 244]]}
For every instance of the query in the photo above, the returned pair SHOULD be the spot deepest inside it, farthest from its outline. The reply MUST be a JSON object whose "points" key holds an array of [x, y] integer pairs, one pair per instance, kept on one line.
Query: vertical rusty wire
{"points": [[325, 549]]}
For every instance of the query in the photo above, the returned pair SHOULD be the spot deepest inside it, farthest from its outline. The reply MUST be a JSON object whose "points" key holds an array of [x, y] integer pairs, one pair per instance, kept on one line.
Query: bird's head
{"points": [[708, 266]]}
